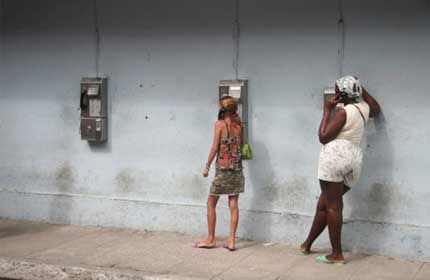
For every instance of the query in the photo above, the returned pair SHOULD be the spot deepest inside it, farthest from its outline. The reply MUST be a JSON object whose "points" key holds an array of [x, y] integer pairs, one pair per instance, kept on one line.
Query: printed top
{"points": [[229, 152]]}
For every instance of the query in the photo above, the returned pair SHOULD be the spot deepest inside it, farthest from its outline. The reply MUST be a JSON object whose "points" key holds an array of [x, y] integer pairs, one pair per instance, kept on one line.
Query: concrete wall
{"points": [[1, 46], [163, 60]]}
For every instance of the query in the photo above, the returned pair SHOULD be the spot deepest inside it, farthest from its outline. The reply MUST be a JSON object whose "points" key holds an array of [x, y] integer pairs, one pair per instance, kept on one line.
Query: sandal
{"points": [[304, 252], [323, 259]]}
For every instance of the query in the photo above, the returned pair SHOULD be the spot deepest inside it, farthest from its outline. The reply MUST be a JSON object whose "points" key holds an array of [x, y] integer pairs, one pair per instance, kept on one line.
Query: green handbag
{"points": [[246, 152]]}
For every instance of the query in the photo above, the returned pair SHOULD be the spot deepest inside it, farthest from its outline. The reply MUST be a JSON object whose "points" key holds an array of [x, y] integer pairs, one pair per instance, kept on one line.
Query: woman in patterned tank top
{"points": [[229, 179]]}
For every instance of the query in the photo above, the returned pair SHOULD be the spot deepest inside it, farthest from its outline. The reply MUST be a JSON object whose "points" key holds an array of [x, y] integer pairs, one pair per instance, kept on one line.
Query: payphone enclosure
{"points": [[94, 109], [239, 90]]}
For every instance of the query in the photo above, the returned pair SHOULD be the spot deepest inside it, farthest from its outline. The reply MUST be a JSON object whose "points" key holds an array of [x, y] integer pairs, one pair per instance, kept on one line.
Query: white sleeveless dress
{"points": [[340, 160]]}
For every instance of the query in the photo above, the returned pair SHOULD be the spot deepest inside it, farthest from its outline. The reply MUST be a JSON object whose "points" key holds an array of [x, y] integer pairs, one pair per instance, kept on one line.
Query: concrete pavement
{"points": [[31, 250]]}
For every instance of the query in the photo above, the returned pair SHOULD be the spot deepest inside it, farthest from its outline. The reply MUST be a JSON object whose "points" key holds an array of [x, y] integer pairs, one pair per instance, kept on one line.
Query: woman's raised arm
{"points": [[373, 104]]}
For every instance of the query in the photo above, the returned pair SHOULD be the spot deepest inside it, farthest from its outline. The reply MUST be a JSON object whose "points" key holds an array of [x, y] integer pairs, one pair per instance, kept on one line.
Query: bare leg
{"points": [[233, 201], [210, 242], [333, 193], [319, 223]]}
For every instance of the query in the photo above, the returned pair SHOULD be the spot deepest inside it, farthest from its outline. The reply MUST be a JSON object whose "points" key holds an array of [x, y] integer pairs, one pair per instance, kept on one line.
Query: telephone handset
{"points": [[92, 91], [84, 100]]}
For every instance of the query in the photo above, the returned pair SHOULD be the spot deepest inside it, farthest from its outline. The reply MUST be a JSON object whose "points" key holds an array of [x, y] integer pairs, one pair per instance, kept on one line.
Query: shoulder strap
{"points": [[362, 116], [228, 130]]}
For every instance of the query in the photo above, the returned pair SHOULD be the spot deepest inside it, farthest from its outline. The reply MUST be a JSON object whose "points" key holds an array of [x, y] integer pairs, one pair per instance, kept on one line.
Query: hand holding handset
{"points": [[332, 102]]}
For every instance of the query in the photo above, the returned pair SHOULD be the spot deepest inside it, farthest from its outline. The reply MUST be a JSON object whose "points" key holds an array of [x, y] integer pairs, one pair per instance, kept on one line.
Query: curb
{"points": [[28, 270]]}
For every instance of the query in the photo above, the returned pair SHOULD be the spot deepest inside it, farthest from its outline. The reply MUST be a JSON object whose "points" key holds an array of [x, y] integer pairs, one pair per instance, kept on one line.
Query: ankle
{"points": [[211, 239], [307, 245], [337, 255]]}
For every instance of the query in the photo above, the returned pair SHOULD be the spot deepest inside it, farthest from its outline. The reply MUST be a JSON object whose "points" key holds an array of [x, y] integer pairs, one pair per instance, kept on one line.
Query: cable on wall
{"points": [[97, 37], [2, 43], [236, 37], [341, 38], [2, 29]]}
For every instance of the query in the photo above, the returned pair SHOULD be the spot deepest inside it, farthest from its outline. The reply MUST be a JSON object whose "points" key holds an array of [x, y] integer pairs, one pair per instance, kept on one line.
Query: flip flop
{"points": [[198, 246], [323, 259], [304, 253], [228, 248]]}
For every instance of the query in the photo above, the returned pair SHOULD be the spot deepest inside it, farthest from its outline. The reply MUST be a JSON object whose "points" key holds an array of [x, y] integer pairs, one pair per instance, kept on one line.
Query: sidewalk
{"points": [[42, 251]]}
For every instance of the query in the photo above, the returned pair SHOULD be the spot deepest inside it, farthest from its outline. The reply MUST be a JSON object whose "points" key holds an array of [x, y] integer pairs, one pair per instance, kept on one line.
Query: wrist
{"points": [[208, 166]]}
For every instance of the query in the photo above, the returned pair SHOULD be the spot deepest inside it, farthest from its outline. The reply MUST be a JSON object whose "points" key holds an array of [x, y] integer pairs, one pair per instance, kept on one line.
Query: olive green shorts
{"points": [[228, 182]]}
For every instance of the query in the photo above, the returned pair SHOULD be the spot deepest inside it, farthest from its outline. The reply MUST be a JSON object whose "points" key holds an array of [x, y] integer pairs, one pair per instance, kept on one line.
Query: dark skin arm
{"points": [[375, 109], [330, 127]]}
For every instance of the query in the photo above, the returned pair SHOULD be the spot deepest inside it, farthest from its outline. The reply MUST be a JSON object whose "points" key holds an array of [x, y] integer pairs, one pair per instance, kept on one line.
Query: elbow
{"points": [[323, 139], [374, 112]]}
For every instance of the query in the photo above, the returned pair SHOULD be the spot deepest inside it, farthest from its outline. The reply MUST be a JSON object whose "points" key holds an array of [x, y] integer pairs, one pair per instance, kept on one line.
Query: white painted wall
{"points": [[163, 60]]}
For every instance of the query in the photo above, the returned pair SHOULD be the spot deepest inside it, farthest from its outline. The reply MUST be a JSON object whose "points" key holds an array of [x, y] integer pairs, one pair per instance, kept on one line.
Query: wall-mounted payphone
{"points": [[94, 109], [328, 93], [239, 90]]}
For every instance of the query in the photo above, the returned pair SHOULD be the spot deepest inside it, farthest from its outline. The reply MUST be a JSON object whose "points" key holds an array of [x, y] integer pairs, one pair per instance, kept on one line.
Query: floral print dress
{"points": [[229, 179]]}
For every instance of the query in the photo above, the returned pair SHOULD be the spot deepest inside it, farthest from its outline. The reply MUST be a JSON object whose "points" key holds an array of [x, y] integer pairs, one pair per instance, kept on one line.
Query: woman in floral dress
{"points": [[229, 179]]}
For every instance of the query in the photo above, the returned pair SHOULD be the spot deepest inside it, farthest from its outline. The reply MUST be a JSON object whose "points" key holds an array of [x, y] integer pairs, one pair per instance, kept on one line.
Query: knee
{"points": [[211, 203], [233, 205]]}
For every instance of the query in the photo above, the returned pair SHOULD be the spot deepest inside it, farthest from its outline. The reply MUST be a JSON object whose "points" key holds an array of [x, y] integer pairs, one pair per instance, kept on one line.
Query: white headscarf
{"points": [[350, 85]]}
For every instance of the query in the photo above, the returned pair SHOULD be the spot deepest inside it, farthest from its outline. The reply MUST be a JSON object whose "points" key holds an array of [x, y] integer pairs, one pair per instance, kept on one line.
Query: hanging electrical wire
{"points": [[97, 37], [236, 35], [341, 38]]}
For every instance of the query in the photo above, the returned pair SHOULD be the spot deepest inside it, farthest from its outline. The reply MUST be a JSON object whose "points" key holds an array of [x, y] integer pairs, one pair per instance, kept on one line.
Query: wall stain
{"points": [[60, 207], [125, 182], [148, 55], [131, 181], [295, 192], [64, 179], [195, 186], [271, 193], [172, 116], [386, 199], [290, 194]]}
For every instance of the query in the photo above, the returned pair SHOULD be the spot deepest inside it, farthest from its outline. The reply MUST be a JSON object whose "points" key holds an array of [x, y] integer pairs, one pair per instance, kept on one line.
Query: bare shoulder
{"points": [[340, 111], [237, 126], [340, 114], [219, 124]]}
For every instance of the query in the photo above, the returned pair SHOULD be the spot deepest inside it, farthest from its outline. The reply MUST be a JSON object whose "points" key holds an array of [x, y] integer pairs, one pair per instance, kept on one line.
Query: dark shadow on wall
{"points": [[257, 224], [375, 193], [61, 201], [102, 147]]}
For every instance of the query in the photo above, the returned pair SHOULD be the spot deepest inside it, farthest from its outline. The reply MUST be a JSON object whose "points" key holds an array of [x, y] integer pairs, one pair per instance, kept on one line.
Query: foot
{"points": [[305, 249], [331, 259], [229, 245], [205, 244], [335, 257]]}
